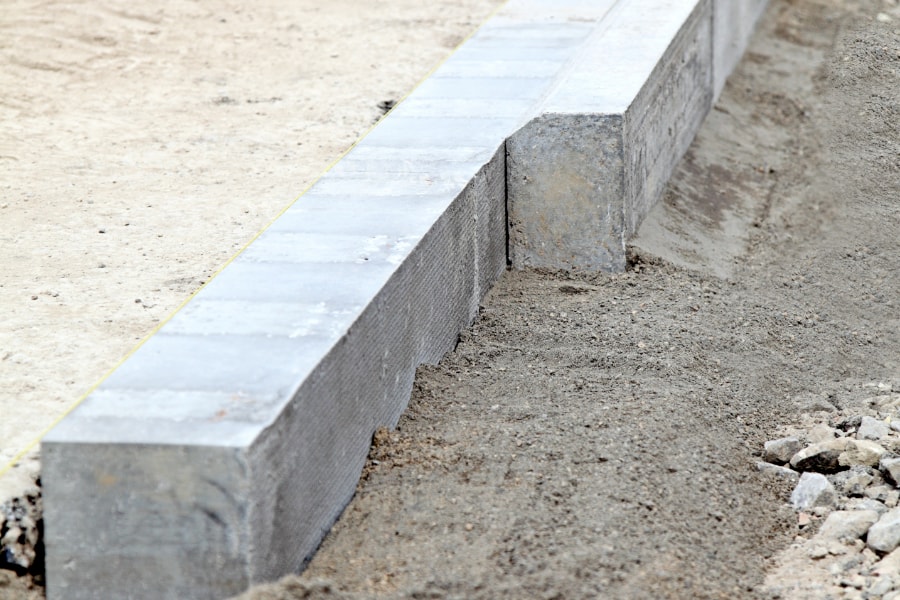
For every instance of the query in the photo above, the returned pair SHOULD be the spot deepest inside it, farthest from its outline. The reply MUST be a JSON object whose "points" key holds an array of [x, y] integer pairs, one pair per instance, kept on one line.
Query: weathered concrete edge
{"points": [[566, 210]]}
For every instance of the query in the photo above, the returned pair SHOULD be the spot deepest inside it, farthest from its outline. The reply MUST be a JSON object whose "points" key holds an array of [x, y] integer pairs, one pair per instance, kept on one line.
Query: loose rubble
{"points": [[21, 527], [813, 490], [781, 451], [846, 496]]}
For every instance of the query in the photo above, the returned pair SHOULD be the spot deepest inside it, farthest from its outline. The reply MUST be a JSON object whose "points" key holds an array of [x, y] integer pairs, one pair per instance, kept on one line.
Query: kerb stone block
{"points": [[588, 168], [566, 189]]}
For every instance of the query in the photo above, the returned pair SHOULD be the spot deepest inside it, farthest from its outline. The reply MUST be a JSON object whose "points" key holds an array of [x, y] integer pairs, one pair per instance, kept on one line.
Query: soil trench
{"points": [[595, 436]]}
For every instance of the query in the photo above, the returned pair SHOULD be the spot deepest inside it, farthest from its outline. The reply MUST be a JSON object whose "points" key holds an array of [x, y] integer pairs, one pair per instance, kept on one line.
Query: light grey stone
{"points": [[852, 583], [855, 559], [583, 174], [820, 457], [861, 452], [890, 466], [855, 480], [884, 535], [879, 492], [781, 450], [885, 401], [888, 565], [892, 499], [891, 444], [865, 504], [847, 524], [566, 193], [820, 548], [870, 557], [777, 471], [881, 585], [872, 429], [813, 490], [822, 433]]}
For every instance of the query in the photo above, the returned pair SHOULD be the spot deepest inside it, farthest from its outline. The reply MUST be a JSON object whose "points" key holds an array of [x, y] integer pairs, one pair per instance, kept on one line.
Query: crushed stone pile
{"points": [[846, 474]]}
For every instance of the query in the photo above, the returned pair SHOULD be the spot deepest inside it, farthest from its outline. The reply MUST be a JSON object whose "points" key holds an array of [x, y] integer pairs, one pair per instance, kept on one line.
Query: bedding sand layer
{"points": [[596, 436]]}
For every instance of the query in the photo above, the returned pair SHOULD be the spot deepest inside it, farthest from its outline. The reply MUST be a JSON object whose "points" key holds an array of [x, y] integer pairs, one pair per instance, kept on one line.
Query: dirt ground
{"points": [[591, 436], [595, 436]]}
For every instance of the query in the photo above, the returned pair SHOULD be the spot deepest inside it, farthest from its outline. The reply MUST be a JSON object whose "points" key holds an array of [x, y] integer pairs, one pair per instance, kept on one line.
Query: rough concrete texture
{"points": [[566, 192], [210, 454], [223, 450]]}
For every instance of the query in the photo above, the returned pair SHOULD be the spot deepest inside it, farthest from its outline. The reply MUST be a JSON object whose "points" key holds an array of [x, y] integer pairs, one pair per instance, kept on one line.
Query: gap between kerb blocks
{"points": [[222, 451]]}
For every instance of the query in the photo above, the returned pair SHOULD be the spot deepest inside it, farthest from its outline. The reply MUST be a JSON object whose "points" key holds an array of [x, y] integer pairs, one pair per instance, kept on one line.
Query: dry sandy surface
{"points": [[591, 436], [143, 144], [595, 436]]}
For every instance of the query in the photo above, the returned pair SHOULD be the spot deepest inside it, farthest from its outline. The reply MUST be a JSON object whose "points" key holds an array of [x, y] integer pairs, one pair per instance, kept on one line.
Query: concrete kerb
{"points": [[223, 450], [586, 171]]}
